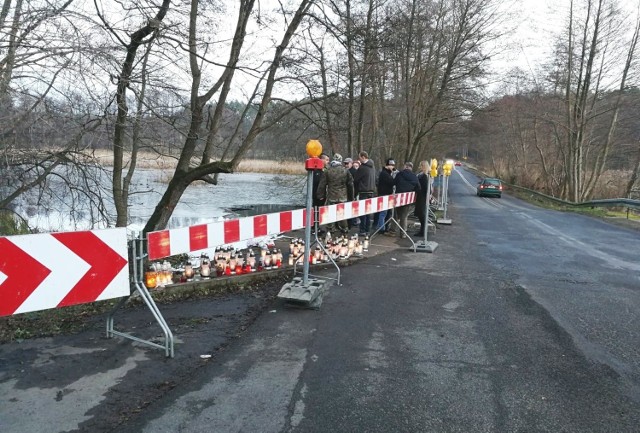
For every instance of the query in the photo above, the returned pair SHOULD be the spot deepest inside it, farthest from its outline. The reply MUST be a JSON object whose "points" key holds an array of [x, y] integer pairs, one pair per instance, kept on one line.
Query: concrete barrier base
{"points": [[427, 247], [298, 294]]}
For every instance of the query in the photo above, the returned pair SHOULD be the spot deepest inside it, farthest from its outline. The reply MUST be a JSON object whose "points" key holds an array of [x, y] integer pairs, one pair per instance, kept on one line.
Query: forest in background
{"points": [[402, 78]]}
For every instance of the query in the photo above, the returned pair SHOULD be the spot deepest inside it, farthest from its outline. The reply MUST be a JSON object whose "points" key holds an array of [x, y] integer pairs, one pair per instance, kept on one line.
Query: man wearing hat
{"points": [[336, 186], [385, 187], [406, 181], [349, 165]]}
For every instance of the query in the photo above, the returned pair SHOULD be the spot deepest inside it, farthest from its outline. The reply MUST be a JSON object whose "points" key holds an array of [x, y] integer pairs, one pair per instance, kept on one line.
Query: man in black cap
{"points": [[385, 187], [365, 184]]}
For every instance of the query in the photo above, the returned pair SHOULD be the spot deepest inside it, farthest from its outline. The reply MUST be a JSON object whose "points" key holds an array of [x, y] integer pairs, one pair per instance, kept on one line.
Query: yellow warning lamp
{"points": [[447, 167], [434, 167], [314, 149]]}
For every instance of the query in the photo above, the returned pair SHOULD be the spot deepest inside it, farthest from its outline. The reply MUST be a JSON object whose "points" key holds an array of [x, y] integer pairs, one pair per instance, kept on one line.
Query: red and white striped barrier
{"points": [[43, 271], [184, 240], [352, 209]]}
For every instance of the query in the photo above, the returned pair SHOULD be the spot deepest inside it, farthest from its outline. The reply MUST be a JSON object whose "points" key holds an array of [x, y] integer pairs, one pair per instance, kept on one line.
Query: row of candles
{"points": [[340, 248], [228, 261]]}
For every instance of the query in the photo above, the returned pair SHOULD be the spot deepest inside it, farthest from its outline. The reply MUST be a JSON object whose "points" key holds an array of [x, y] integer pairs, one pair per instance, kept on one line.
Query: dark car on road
{"points": [[489, 187]]}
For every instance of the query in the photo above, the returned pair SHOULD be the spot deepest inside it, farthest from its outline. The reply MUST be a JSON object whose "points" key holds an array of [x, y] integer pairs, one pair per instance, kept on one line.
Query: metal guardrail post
{"points": [[307, 228], [426, 245], [307, 292], [445, 193], [440, 197]]}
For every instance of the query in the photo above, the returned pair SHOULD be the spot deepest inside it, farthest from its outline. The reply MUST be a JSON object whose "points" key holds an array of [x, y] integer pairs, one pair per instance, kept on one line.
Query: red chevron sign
{"points": [[43, 271]]}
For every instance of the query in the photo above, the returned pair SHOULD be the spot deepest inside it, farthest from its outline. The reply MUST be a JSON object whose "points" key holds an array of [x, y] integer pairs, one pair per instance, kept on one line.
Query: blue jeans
{"points": [[381, 220], [365, 223], [365, 220]]}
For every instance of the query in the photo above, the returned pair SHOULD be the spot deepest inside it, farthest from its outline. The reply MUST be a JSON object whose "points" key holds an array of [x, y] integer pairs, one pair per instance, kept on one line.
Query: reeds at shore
{"points": [[153, 160]]}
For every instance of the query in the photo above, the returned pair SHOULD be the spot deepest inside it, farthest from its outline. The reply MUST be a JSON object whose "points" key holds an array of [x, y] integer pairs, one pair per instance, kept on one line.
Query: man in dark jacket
{"points": [[317, 175], [365, 184], [349, 164], [385, 187], [421, 197], [336, 186], [406, 181]]}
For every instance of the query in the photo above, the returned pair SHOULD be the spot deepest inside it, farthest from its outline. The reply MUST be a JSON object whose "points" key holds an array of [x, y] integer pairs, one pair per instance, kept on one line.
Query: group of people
{"points": [[347, 180]]}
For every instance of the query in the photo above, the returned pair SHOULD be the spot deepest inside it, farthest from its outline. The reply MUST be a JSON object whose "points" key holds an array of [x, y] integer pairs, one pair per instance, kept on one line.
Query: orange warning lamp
{"points": [[314, 149]]}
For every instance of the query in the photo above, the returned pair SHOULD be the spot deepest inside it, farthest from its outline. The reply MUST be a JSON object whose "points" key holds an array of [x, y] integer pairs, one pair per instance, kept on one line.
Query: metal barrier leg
{"points": [[138, 266], [112, 313], [403, 231], [393, 219]]}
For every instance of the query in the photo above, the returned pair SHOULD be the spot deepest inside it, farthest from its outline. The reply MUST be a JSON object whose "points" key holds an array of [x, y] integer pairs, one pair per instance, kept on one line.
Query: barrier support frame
{"points": [[426, 245], [393, 219], [317, 241], [137, 282], [444, 220]]}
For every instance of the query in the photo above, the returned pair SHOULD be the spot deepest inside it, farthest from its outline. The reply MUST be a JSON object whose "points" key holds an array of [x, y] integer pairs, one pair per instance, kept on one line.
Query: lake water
{"points": [[238, 194]]}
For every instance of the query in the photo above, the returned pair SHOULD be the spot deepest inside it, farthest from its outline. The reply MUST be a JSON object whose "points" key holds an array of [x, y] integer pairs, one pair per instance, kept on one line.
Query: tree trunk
{"points": [[352, 81], [120, 195], [406, 67], [227, 77], [635, 174], [333, 144], [600, 166], [6, 5], [366, 65], [9, 61]]}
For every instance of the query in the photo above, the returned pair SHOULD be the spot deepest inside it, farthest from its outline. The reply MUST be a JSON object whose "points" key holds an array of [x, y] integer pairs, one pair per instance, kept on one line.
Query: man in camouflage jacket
{"points": [[336, 186]]}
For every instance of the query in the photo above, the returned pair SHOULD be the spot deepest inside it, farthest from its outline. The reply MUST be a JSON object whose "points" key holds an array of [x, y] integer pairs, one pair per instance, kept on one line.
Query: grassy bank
{"points": [[624, 217], [11, 225]]}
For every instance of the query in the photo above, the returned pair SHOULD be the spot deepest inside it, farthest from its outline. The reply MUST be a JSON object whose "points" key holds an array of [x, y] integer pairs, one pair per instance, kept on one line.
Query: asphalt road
{"points": [[523, 320]]}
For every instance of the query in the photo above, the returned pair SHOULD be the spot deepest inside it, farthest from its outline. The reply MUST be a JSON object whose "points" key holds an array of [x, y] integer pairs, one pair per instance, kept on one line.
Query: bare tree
{"points": [[445, 57], [592, 48], [185, 173], [142, 36]]}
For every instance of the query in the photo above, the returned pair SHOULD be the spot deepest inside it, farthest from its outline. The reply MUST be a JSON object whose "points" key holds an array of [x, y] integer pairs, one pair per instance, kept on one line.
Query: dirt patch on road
{"points": [[204, 320], [79, 318]]}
